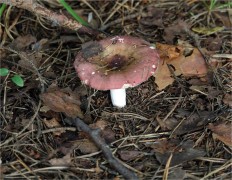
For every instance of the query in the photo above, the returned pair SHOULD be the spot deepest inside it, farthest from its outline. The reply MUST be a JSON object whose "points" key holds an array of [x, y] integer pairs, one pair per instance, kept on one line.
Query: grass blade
{"points": [[72, 12]]}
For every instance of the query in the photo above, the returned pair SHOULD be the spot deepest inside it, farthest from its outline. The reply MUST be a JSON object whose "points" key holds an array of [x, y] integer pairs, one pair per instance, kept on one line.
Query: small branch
{"points": [[100, 142], [55, 18]]}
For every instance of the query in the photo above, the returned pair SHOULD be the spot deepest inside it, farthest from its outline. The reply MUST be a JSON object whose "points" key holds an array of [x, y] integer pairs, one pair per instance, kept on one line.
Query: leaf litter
{"points": [[201, 115], [62, 100], [186, 61], [181, 151], [222, 132]]}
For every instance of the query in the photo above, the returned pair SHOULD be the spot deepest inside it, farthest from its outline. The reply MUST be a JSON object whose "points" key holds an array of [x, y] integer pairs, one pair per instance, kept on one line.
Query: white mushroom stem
{"points": [[118, 97]]}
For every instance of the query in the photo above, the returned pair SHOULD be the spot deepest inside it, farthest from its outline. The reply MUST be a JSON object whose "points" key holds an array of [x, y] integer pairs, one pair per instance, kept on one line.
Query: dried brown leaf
{"points": [[106, 132], [101, 124], [228, 100], [177, 173], [40, 44], [193, 65], [86, 146], [53, 123], [129, 155], [178, 27], [64, 161], [62, 100], [25, 122], [185, 60], [22, 41], [153, 16], [109, 135], [181, 152], [192, 121], [223, 132], [163, 76], [30, 61]]}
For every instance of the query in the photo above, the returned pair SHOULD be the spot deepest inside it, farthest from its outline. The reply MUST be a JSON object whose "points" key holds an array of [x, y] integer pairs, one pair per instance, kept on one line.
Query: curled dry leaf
{"points": [[22, 42], [53, 123], [228, 99], [30, 61], [177, 173], [181, 152], [62, 100], [192, 121], [178, 27], [163, 76], [223, 132], [40, 44], [185, 60], [25, 122], [101, 124], [86, 146], [106, 132], [64, 161], [129, 155]]}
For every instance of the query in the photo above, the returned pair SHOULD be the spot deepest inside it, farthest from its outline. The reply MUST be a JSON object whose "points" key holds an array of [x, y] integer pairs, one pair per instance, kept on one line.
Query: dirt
{"points": [[176, 125]]}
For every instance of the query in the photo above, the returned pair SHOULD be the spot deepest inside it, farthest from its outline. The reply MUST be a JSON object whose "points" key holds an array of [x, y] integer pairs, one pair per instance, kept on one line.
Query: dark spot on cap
{"points": [[91, 49], [117, 62]]}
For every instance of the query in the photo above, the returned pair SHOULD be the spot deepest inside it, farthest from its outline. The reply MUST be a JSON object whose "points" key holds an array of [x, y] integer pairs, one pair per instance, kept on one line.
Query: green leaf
{"points": [[2, 8], [18, 80], [206, 30], [4, 71]]}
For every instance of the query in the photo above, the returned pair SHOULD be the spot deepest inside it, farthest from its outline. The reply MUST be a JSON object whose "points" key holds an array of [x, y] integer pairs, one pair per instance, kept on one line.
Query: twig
{"points": [[55, 18], [166, 170], [100, 142], [170, 112], [117, 21]]}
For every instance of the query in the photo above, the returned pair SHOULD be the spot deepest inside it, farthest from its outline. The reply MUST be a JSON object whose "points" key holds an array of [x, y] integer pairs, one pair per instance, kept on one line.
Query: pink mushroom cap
{"points": [[116, 63]]}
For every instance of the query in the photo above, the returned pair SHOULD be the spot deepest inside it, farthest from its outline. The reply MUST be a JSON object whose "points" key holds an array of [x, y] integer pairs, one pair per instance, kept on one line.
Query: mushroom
{"points": [[116, 64]]}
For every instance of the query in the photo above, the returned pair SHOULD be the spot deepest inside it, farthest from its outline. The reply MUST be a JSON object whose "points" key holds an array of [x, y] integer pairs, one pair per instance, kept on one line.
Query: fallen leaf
{"points": [[191, 121], [109, 135], [25, 122], [106, 132], [224, 17], [164, 145], [62, 100], [101, 124], [177, 173], [64, 161], [213, 43], [207, 30], [40, 44], [86, 163], [153, 16], [22, 42], [3, 53], [213, 93], [129, 155], [53, 123], [223, 132], [228, 100], [35, 154], [187, 61], [163, 77], [193, 65], [177, 28], [86, 146], [30, 61], [182, 152]]}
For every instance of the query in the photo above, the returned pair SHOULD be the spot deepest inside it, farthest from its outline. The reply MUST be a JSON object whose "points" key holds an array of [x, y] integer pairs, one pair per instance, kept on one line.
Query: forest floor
{"points": [[178, 130]]}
